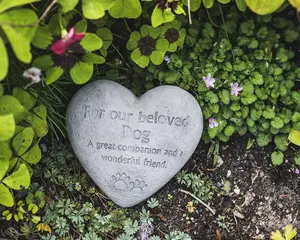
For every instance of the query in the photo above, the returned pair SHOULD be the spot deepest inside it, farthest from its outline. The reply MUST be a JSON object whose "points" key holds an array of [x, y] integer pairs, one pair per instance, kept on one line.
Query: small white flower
{"points": [[212, 122], [33, 74]]}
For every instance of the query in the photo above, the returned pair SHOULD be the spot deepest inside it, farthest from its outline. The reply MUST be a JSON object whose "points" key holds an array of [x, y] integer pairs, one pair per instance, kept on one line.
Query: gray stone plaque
{"points": [[132, 146]]}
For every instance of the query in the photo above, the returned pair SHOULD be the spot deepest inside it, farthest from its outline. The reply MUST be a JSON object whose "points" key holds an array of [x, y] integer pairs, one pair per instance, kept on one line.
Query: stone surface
{"points": [[131, 146]]}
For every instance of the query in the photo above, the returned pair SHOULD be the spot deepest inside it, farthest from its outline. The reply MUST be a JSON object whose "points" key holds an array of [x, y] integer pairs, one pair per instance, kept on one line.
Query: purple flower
{"points": [[235, 89], [297, 171], [209, 81], [167, 59], [212, 122]]}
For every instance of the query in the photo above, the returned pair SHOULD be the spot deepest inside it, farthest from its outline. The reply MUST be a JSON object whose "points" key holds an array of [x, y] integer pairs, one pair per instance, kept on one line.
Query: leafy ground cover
{"points": [[250, 199]]}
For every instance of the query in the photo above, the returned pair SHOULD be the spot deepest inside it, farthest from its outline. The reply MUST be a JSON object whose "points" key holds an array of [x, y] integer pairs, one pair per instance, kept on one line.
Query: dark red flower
{"points": [[60, 46], [164, 4]]}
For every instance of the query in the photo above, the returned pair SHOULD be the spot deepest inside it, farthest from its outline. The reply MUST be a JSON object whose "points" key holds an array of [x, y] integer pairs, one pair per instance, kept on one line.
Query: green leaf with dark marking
{"points": [[22, 141], [18, 179]]}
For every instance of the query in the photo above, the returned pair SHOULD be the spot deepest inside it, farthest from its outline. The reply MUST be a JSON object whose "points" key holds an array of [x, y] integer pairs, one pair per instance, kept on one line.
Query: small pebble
{"points": [[237, 190]]}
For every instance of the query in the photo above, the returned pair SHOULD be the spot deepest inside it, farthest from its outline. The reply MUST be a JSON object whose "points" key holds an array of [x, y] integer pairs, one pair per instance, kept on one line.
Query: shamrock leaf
{"points": [[19, 37], [126, 9], [160, 16], [194, 5], [67, 5], [9, 104], [53, 74], [7, 126], [27, 99], [6, 198], [43, 37], [4, 5], [208, 3], [43, 62], [3, 60], [22, 141], [91, 42], [263, 7], [33, 155], [294, 137], [38, 120], [18, 179], [82, 72]]}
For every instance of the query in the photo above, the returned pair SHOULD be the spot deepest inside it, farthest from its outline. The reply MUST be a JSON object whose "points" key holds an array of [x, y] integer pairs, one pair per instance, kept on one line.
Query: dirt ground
{"points": [[262, 198]]}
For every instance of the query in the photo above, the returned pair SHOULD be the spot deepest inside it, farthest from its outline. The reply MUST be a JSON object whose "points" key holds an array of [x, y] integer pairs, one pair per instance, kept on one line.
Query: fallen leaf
{"points": [[218, 235], [163, 218]]}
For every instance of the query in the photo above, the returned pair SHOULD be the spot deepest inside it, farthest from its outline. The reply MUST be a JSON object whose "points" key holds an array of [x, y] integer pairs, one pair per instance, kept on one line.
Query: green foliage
{"points": [[153, 203], [289, 233], [249, 54], [201, 185], [165, 12], [68, 217], [178, 235], [19, 143], [147, 45], [78, 58], [277, 158], [264, 7], [36, 198], [18, 27]]}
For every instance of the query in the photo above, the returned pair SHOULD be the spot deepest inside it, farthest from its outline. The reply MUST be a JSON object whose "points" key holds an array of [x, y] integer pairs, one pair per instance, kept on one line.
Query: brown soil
{"points": [[267, 197]]}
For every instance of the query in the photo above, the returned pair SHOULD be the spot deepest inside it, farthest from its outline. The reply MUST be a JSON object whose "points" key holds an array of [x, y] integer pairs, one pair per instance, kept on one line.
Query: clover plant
{"points": [[23, 123], [95, 9], [18, 26], [174, 34], [147, 46], [73, 52], [242, 75], [165, 11]]}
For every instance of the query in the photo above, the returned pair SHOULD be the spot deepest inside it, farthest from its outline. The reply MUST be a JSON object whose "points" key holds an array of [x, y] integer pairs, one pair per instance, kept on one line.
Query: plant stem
{"points": [[209, 18], [199, 200], [225, 28], [120, 54], [111, 65], [126, 25], [189, 11], [46, 11]]}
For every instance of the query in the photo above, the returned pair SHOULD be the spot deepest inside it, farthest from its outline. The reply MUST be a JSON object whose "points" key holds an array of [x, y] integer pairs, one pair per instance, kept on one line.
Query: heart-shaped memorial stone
{"points": [[132, 146]]}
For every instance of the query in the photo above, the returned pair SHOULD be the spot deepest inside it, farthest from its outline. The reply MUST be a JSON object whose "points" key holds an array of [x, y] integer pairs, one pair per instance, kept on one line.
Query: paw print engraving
{"points": [[137, 187], [120, 181]]}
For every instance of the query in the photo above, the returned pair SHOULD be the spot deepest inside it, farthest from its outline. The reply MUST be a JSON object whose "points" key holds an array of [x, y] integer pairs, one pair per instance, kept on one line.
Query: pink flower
{"points": [[209, 81], [235, 89], [212, 122], [68, 38], [297, 171]]}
